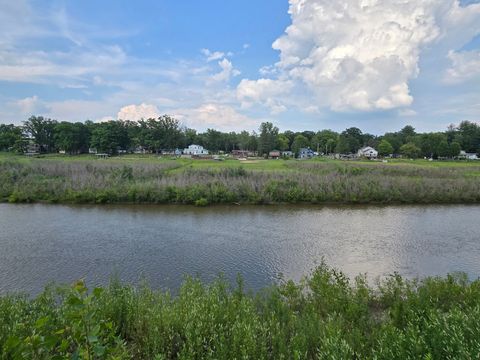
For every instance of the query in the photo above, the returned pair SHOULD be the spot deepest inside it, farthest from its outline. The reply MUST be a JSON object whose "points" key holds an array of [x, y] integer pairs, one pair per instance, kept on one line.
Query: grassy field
{"points": [[150, 179], [326, 316]]}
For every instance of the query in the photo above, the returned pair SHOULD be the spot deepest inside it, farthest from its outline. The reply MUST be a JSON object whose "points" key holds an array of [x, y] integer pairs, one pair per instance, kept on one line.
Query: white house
{"points": [[195, 150], [368, 152], [468, 156]]}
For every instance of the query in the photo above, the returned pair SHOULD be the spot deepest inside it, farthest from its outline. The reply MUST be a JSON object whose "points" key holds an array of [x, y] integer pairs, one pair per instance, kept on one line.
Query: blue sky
{"points": [[302, 64]]}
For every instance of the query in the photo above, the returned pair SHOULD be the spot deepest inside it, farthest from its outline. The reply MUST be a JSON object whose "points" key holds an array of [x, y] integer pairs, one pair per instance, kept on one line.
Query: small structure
{"points": [[240, 153], [32, 149], [274, 154], [468, 156], [92, 150], [101, 156], [368, 152], [287, 153], [140, 150], [195, 150], [306, 153]]}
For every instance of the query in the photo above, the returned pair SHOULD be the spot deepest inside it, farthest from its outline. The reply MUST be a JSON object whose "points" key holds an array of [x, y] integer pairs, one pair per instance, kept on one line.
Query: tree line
{"points": [[166, 133]]}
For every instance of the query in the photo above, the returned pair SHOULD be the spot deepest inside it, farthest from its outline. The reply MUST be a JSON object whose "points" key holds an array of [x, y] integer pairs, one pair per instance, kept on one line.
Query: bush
{"points": [[325, 316], [201, 202]]}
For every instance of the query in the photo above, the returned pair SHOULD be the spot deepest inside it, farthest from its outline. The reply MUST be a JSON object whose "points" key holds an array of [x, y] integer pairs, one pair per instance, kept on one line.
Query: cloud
{"points": [[31, 106], [354, 55], [407, 112], [465, 67], [211, 56], [267, 92], [218, 116], [227, 71], [138, 112]]}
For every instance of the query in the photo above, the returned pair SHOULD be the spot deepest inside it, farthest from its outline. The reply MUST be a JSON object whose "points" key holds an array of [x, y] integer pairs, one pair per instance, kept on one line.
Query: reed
{"points": [[296, 182]]}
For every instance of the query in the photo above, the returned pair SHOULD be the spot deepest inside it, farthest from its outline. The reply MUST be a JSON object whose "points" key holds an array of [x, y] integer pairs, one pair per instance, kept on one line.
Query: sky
{"points": [[301, 64]]}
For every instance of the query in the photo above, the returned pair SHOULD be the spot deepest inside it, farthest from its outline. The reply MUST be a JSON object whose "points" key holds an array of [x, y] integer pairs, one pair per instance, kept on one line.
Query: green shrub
{"points": [[324, 316], [201, 202]]}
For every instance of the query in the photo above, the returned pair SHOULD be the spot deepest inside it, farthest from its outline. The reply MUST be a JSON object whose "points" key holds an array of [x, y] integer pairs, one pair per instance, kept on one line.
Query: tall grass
{"points": [[326, 316], [105, 182]]}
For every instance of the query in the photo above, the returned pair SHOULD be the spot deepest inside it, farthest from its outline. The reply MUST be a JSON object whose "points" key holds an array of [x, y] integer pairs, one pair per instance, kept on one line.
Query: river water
{"points": [[160, 244]]}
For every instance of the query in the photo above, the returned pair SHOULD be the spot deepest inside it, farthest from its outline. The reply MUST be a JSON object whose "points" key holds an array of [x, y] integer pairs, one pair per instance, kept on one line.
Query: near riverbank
{"points": [[202, 182], [324, 317]]}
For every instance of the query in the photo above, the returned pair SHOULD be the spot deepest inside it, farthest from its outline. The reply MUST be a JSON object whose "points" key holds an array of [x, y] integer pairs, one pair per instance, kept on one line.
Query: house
{"points": [[368, 152], [274, 154], [468, 156], [195, 150], [287, 153], [306, 153], [241, 153]]}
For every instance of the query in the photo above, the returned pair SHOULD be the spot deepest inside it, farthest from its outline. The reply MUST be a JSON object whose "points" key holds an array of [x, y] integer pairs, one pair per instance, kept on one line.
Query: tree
{"points": [[350, 140], [454, 149], [72, 138], [10, 137], [213, 140], [282, 142], [469, 136], [407, 133], [342, 145], [190, 136], [268, 136], [443, 149], [41, 130], [299, 142], [324, 141], [164, 133], [410, 150], [385, 148], [109, 137]]}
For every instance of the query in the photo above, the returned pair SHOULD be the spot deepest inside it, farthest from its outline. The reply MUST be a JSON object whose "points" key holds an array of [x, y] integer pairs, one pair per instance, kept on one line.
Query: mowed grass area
{"points": [[325, 316], [250, 164], [152, 179]]}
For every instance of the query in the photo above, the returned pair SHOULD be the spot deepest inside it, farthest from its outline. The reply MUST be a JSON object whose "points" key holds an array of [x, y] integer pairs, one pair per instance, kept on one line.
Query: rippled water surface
{"points": [[44, 243]]}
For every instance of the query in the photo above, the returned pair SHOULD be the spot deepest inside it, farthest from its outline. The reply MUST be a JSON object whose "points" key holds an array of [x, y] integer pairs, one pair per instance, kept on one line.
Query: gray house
{"points": [[306, 153]]}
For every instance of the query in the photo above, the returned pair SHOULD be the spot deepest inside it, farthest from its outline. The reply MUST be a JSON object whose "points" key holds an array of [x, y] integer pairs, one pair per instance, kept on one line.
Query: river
{"points": [[160, 244]]}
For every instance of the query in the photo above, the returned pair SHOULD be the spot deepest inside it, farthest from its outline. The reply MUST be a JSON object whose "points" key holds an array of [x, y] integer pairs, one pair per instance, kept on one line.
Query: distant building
{"points": [[368, 152], [468, 156], [140, 150], [32, 148], [274, 154], [287, 153], [92, 150], [195, 150], [240, 153], [306, 153]]}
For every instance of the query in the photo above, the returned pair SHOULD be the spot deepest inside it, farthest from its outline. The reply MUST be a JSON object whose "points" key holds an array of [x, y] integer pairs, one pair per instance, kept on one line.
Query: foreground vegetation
{"points": [[201, 182], [325, 316]]}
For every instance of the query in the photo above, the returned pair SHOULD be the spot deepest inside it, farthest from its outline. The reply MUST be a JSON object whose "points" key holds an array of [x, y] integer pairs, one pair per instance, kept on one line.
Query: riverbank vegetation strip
{"points": [[182, 181], [325, 316]]}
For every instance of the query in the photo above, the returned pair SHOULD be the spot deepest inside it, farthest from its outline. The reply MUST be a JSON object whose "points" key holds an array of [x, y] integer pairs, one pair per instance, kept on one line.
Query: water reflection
{"points": [[42, 243]]}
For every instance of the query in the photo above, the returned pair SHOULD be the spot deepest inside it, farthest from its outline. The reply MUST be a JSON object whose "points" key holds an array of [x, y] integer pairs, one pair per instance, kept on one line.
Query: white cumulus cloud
{"points": [[465, 66], [31, 106], [226, 72], [264, 91], [361, 54], [214, 115], [212, 55], [138, 112]]}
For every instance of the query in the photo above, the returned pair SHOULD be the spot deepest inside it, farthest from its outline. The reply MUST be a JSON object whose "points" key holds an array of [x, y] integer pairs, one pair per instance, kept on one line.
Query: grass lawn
{"points": [[260, 164]]}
